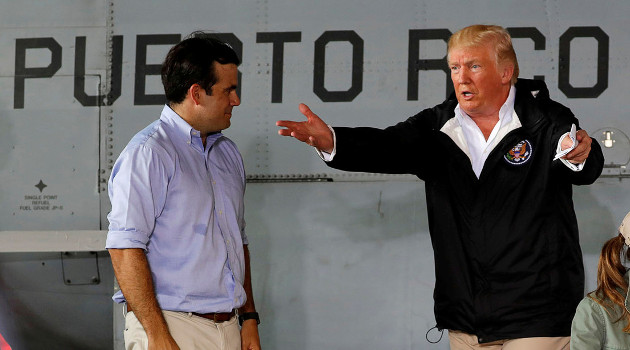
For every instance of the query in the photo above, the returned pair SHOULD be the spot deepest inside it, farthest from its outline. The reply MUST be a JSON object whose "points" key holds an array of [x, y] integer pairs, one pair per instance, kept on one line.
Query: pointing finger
{"points": [[306, 111], [287, 124]]}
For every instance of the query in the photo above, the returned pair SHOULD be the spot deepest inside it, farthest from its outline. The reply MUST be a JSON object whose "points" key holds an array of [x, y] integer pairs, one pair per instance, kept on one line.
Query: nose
{"points": [[463, 75], [235, 100]]}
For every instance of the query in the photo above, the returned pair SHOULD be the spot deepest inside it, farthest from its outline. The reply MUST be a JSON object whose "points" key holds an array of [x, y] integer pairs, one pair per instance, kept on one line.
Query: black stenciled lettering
{"points": [[319, 70], [115, 79], [564, 70], [278, 39], [533, 33], [415, 64], [143, 69], [22, 72]]}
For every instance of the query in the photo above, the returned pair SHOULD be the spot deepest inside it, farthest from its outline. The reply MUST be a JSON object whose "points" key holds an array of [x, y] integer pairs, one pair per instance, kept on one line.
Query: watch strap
{"points": [[248, 316]]}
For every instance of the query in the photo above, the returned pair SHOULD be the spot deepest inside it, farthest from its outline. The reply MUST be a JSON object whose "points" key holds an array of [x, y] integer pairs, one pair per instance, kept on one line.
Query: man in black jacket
{"points": [[499, 159]]}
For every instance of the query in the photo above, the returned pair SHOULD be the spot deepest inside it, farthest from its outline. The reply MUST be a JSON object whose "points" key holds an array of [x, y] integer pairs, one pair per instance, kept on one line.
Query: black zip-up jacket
{"points": [[508, 262]]}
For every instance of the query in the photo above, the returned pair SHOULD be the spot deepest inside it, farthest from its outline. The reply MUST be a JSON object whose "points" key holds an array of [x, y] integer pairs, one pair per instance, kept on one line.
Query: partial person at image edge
{"points": [[602, 319]]}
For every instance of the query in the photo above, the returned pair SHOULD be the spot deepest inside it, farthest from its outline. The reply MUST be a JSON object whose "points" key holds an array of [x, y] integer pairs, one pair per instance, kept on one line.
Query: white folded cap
{"points": [[624, 228]]}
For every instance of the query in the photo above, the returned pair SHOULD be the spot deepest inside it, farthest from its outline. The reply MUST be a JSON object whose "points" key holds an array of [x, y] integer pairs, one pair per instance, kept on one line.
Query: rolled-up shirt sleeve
{"points": [[137, 191]]}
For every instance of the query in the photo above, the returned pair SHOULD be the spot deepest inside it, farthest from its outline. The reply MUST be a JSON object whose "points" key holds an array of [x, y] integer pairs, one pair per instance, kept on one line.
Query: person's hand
{"points": [[313, 131], [580, 153], [162, 342], [249, 335]]}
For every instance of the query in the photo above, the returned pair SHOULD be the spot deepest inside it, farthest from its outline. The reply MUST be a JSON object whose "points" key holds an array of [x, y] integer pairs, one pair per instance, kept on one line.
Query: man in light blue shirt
{"points": [[176, 234]]}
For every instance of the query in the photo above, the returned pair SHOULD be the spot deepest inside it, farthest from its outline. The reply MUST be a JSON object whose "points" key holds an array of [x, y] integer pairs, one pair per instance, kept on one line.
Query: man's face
{"points": [[217, 107], [480, 85]]}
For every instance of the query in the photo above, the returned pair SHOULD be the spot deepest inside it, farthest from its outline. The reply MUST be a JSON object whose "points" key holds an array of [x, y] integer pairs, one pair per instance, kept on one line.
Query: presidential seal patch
{"points": [[520, 153]]}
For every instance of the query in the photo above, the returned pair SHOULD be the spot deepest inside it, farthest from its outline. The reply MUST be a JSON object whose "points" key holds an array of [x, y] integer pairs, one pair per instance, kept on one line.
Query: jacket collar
{"points": [[530, 94]]}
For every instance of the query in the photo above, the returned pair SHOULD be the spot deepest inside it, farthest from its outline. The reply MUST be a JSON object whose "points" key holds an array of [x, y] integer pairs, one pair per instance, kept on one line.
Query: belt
{"points": [[217, 317]]}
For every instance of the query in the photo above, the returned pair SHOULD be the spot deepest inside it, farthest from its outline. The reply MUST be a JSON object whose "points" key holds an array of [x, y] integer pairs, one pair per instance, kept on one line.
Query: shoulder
{"points": [[587, 304], [435, 117], [590, 312], [149, 144], [444, 111], [588, 329], [533, 95], [152, 136]]}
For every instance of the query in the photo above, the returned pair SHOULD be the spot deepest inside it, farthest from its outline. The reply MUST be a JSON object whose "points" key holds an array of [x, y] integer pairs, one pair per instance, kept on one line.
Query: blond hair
{"points": [[481, 34]]}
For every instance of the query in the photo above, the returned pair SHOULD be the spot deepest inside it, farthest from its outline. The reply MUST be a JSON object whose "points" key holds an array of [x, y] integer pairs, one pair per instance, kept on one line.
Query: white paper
{"points": [[575, 143]]}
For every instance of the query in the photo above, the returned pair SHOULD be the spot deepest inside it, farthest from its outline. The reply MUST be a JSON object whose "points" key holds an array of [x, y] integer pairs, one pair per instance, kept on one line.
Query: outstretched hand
{"points": [[313, 131]]}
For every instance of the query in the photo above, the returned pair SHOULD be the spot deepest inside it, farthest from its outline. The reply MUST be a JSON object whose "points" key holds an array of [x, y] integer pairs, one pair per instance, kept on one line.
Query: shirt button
{"points": [[220, 212]]}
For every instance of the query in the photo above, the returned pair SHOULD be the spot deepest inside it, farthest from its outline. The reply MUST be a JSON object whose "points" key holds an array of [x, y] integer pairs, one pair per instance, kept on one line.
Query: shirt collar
{"points": [[505, 113], [189, 134]]}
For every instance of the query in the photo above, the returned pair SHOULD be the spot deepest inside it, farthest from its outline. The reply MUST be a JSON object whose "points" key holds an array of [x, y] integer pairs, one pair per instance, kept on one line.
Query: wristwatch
{"points": [[248, 316]]}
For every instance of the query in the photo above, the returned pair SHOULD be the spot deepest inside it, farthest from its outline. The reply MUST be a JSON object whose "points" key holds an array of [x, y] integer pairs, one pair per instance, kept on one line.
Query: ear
{"points": [[194, 93], [508, 71]]}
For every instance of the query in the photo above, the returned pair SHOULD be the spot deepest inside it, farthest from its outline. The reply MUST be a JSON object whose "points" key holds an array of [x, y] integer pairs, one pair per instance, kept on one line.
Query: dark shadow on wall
{"points": [[39, 311]]}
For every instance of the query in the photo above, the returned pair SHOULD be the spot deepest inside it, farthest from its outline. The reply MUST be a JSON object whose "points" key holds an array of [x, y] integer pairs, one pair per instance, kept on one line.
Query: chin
{"points": [[467, 106]]}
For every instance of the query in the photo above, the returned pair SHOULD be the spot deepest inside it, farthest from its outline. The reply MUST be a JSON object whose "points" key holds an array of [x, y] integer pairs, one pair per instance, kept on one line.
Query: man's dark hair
{"points": [[192, 62]]}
